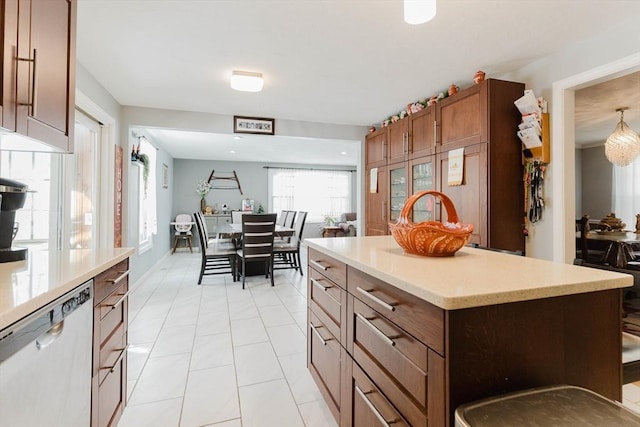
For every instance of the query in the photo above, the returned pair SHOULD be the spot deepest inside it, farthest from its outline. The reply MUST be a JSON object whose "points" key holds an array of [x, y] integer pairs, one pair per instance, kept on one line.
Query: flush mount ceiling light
{"points": [[419, 11], [246, 81], [623, 145]]}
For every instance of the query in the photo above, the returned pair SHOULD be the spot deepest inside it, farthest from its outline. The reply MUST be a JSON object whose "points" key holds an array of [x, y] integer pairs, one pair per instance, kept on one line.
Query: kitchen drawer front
{"points": [[370, 407], [111, 352], [113, 311], [111, 396], [329, 267], [419, 318], [323, 360], [325, 297], [397, 353], [108, 281]]}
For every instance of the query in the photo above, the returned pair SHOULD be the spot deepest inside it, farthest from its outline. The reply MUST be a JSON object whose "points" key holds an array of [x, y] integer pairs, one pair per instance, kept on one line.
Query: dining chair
{"points": [[183, 233], [218, 257], [257, 243], [236, 216], [282, 218], [287, 254], [583, 250], [289, 219]]}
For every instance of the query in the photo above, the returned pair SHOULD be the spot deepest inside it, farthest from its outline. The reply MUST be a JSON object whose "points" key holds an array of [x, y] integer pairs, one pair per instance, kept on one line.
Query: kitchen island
{"points": [[404, 338]]}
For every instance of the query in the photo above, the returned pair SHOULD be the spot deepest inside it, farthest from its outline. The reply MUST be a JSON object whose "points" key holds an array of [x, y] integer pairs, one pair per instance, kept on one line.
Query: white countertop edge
{"points": [[615, 281], [45, 298]]}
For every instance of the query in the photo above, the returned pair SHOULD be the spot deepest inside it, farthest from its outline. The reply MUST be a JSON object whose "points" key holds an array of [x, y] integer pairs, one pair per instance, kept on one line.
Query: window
{"points": [[626, 192], [321, 193], [147, 225]]}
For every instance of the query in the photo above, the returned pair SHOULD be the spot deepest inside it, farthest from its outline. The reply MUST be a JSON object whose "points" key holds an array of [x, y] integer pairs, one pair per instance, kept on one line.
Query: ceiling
{"points": [[349, 62]]}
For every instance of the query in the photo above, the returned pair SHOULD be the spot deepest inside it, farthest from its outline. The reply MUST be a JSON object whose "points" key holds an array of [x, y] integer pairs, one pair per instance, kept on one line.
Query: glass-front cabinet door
{"points": [[398, 189], [422, 179]]}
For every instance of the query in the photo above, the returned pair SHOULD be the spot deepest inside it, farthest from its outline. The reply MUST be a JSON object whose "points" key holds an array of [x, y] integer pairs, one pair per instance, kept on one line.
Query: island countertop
{"points": [[471, 278], [25, 286]]}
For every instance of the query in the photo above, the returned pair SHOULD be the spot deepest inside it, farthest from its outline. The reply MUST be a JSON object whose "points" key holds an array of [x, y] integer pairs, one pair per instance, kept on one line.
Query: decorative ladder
{"points": [[228, 176]]}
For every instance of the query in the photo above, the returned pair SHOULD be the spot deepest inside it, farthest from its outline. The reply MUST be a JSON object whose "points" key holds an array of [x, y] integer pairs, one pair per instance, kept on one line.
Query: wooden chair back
{"points": [[257, 236]]}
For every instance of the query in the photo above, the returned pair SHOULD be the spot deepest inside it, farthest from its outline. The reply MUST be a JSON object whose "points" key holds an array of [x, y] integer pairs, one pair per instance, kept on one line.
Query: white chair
{"points": [[236, 216], [183, 224]]}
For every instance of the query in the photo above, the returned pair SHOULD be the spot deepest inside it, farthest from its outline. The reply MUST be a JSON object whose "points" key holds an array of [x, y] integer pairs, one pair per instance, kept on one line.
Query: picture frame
{"points": [[165, 176], [255, 125]]}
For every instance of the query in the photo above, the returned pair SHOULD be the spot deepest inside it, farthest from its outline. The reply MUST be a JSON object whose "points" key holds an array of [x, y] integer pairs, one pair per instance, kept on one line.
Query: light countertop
{"points": [[25, 286], [471, 278]]}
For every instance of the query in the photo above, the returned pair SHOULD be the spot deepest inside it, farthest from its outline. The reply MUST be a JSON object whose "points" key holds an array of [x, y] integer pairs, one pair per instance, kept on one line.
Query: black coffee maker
{"points": [[13, 194]]}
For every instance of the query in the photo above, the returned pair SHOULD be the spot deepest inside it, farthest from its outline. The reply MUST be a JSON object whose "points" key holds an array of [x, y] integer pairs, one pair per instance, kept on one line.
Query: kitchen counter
{"points": [[28, 285], [471, 278]]}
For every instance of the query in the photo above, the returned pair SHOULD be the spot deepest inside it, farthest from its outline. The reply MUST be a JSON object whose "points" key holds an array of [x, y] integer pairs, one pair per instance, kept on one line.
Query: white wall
{"points": [[553, 237]]}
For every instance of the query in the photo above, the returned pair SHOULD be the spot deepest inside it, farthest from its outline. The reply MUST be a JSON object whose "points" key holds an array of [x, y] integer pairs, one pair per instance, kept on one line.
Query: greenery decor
{"points": [[144, 159]]}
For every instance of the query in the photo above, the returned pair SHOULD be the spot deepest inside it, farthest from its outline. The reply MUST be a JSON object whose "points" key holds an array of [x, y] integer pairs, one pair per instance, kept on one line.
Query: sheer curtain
{"points": [[626, 192], [321, 193]]}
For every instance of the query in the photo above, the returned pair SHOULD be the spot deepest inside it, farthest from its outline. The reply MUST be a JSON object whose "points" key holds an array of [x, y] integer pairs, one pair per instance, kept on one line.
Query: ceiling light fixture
{"points": [[246, 81], [623, 145], [419, 11]]}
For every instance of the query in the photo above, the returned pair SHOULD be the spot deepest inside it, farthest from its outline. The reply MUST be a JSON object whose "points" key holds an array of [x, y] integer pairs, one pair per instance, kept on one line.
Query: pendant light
{"points": [[623, 145], [419, 11]]}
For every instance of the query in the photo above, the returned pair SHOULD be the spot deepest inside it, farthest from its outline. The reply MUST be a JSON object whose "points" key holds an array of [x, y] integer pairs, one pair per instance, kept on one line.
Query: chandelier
{"points": [[623, 145]]}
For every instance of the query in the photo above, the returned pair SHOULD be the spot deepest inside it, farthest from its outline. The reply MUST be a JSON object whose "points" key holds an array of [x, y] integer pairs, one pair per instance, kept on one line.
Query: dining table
{"points": [[620, 249]]}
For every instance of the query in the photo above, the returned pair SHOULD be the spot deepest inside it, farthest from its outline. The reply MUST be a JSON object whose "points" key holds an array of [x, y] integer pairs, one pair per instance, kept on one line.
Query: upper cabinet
{"points": [[375, 148], [38, 70], [398, 146], [422, 132]]}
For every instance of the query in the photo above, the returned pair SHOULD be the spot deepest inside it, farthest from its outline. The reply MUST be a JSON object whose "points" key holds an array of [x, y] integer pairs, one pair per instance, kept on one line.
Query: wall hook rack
{"points": [[226, 176]]}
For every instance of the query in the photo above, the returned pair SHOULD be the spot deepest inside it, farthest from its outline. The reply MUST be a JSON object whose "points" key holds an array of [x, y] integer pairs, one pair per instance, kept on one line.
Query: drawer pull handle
{"points": [[122, 298], [123, 274], [320, 285], [120, 356], [315, 329], [373, 408], [385, 337], [316, 264], [375, 299]]}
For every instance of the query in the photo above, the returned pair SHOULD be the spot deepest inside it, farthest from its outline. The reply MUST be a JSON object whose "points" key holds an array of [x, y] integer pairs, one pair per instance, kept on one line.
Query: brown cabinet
{"points": [[483, 121], [376, 148], [110, 328], [38, 81], [398, 141], [377, 203]]}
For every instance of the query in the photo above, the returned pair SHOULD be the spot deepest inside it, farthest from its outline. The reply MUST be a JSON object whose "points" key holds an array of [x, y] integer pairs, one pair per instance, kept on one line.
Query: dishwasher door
{"points": [[45, 364]]}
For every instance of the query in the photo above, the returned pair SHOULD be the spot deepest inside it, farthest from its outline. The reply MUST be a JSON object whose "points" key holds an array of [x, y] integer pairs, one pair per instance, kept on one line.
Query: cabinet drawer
{"points": [[329, 267], [324, 362], [419, 318], [111, 396], [113, 311], [327, 300], [108, 281], [395, 353], [111, 352], [370, 407]]}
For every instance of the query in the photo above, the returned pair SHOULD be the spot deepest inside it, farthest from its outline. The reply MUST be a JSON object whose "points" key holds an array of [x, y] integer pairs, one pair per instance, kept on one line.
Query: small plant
{"points": [[203, 188], [330, 221]]}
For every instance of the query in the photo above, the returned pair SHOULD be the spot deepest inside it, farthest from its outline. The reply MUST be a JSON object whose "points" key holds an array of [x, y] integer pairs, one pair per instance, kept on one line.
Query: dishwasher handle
{"points": [[50, 336]]}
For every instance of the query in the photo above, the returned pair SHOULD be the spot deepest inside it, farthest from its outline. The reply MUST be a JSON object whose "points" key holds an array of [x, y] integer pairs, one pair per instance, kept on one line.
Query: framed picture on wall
{"points": [[257, 125], [165, 176]]}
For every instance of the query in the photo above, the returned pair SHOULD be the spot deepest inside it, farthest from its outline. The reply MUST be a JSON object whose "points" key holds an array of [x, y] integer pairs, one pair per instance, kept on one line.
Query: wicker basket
{"points": [[430, 238]]}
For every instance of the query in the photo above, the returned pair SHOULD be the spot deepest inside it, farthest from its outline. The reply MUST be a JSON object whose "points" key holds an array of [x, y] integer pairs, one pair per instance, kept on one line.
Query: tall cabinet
{"points": [[482, 120], [38, 69]]}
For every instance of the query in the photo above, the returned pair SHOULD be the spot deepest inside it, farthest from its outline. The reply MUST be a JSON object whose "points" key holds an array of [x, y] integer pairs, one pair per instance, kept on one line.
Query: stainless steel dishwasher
{"points": [[45, 364]]}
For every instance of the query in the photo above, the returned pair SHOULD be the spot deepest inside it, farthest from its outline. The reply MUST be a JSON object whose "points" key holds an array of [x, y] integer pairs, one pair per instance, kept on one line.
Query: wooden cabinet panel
{"points": [[108, 281], [328, 301], [421, 319], [398, 189], [463, 118], [46, 71], [370, 407], [111, 400], [398, 146], [422, 178], [470, 198], [422, 137], [333, 269], [376, 204], [397, 353], [376, 148], [324, 362], [9, 18]]}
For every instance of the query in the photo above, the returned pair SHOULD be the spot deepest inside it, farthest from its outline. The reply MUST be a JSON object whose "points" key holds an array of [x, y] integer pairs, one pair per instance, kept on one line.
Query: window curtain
{"points": [[626, 192], [150, 190], [321, 193]]}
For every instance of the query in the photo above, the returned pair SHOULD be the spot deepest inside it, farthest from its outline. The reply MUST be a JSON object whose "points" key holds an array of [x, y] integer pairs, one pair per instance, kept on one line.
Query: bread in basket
{"points": [[430, 238]]}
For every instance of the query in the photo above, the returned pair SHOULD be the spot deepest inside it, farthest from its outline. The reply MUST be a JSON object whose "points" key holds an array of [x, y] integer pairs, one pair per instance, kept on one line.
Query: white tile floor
{"points": [[217, 355]]}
